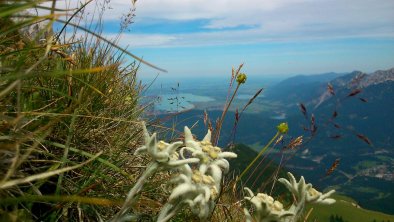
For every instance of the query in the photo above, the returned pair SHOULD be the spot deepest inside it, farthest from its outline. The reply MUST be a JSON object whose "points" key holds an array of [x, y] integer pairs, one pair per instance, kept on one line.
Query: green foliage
{"points": [[63, 101], [345, 209]]}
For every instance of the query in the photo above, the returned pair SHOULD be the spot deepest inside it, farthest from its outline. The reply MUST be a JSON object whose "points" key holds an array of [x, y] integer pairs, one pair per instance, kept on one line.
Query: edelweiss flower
{"points": [[195, 189], [301, 190], [211, 157], [304, 193], [163, 152], [297, 188], [315, 196], [265, 208]]}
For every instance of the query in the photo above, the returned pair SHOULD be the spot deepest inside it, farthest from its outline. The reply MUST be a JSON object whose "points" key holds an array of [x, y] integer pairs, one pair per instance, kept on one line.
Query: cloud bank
{"points": [[268, 20]]}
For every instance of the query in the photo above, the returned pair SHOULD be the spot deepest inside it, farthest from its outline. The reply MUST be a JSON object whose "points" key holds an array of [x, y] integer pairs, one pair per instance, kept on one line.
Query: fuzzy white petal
{"points": [[222, 163], [182, 162], [203, 168], [227, 155], [152, 144], [173, 146], [180, 190], [216, 174], [207, 137], [249, 192], [140, 150]]}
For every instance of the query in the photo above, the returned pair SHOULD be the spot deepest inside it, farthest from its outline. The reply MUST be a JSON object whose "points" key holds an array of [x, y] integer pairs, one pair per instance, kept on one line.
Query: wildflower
{"points": [[265, 208], [283, 128], [297, 188], [163, 152], [211, 157], [241, 78], [304, 193], [317, 197], [164, 156], [302, 190], [195, 189]]}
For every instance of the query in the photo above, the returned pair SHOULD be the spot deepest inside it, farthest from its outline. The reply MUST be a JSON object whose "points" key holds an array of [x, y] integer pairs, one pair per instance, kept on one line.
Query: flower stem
{"points": [[219, 127], [258, 156], [150, 169], [168, 211]]}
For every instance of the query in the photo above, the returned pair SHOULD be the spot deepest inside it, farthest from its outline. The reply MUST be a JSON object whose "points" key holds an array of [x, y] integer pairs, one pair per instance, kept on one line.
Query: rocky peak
{"points": [[377, 78], [359, 79]]}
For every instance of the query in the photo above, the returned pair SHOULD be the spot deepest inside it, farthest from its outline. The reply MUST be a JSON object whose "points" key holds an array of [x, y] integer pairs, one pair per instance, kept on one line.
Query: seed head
{"points": [[283, 128], [241, 78]]}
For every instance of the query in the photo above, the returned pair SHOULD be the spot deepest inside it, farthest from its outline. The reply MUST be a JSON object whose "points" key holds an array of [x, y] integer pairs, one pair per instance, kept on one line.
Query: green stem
{"points": [[151, 169], [66, 151], [224, 115], [168, 211], [258, 156]]}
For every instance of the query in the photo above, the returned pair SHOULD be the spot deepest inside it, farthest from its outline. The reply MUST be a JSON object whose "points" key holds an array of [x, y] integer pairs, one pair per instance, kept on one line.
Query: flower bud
{"points": [[283, 128], [241, 78]]}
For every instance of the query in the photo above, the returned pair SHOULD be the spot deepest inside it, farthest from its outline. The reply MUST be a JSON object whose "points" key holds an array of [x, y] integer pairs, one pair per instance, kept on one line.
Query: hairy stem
{"points": [[168, 211], [258, 156], [217, 135], [150, 170]]}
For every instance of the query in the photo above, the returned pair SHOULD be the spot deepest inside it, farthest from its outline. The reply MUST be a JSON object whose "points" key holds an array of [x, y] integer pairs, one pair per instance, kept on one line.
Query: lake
{"points": [[178, 102]]}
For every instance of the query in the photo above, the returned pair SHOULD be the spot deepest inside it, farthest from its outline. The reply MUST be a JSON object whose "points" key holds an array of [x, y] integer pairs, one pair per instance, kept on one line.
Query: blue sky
{"points": [[271, 37]]}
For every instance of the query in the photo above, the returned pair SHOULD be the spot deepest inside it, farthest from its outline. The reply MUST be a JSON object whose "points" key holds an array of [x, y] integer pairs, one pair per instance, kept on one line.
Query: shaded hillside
{"points": [[302, 86], [359, 113], [262, 175], [347, 210]]}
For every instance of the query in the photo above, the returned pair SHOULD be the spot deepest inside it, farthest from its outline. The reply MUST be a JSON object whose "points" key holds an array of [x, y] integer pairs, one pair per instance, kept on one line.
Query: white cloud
{"points": [[143, 40], [273, 20]]}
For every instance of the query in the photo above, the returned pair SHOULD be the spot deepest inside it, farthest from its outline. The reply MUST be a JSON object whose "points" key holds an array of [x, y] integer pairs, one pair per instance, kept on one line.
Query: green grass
{"points": [[69, 118], [348, 209], [365, 165]]}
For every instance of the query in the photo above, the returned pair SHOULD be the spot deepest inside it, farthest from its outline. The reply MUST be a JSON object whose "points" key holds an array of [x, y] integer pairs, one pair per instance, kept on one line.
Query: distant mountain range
{"points": [[268, 172], [312, 89], [353, 115]]}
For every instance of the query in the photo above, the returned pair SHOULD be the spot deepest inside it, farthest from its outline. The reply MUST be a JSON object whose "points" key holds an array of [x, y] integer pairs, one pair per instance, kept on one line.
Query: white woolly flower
{"points": [[304, 193], [162, 152], [195, 189], [266, 209], [211, 157], [315, 196], [301, 190]]}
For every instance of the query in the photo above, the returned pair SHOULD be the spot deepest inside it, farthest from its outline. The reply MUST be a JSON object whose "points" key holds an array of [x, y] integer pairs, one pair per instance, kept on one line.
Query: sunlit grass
{"points": [[69, 118]]}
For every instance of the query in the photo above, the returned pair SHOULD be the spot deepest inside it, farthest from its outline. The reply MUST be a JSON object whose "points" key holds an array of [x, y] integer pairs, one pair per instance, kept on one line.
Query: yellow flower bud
{"points": [[283, 128], [213, 154], [241, 78]]}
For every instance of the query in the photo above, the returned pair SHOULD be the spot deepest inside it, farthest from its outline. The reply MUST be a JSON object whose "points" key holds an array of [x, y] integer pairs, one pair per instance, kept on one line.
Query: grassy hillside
{"points": [[345, 207], [348, 210]]}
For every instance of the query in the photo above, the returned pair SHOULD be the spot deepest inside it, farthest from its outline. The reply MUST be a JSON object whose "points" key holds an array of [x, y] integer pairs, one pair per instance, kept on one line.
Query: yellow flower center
{"points": [[162, 145], [199, 178], [313, 192], [213, 154], [212, 151], [214, 192], [277, 206]]}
